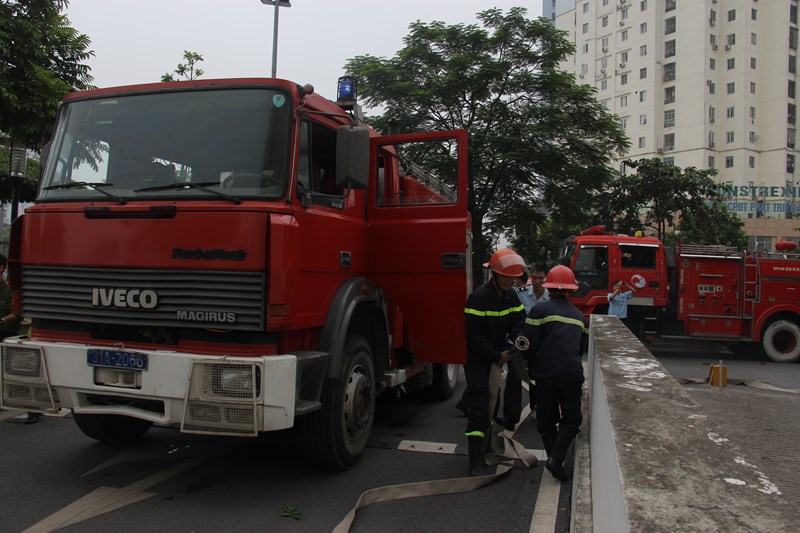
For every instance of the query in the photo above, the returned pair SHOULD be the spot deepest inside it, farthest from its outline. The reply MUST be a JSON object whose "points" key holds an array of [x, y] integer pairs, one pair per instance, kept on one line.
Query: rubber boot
{"points": [[548, 440], [555, 462], [488, 448], [477, 457]]}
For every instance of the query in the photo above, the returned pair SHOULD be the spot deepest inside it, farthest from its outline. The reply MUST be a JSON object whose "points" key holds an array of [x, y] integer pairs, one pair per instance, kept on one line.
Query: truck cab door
{"points": [[418, 238]]}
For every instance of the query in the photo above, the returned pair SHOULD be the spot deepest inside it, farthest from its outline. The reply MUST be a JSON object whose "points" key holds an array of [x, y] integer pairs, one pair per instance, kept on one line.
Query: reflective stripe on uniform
{"points": [[480, 434], [504, 312], [557, 318]]}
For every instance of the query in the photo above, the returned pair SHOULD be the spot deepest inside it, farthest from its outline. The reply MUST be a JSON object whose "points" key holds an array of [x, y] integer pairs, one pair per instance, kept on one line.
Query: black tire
{"points": [[781, 341], [335, 435], [445, 378], [112, 429]]}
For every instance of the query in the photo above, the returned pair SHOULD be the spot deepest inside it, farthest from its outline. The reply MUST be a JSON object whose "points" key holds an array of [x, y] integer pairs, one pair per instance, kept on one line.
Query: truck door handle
{"points": [[451, 261]]}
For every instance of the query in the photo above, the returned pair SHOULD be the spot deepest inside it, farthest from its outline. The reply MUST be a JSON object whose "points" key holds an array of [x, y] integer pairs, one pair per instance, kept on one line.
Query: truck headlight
{"points": [[23, 362], [236, 381]]}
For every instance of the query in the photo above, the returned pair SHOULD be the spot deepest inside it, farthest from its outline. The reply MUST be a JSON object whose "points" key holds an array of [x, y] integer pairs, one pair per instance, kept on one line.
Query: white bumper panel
{"points": [[158, 394]]}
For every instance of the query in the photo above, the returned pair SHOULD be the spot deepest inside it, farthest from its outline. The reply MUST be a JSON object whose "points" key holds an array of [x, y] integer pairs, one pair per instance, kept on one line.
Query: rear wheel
{"points": [[781, 341], [112, 429], [335, 435], [445, 377]]}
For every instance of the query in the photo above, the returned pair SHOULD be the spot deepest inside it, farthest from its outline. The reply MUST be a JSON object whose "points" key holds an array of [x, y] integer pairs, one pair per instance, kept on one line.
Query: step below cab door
{"points": [[418, 232]]}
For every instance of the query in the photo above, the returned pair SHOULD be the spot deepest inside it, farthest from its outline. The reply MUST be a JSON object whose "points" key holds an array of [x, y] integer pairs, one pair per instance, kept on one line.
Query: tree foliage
{"points": [[540, 145], [713, 225], [186, 70], [653, 196], [41, 60]]}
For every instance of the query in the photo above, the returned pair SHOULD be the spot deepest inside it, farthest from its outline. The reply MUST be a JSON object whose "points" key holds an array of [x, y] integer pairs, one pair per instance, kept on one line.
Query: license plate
{"points": [[116, 359]]}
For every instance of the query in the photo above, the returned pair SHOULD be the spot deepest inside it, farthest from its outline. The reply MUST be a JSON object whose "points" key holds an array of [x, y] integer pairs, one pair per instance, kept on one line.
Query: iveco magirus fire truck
{"points": [[233, 257], [702, 292]]}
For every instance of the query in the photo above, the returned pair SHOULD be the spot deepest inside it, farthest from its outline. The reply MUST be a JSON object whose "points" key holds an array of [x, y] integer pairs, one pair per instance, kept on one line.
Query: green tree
{"points": [[41, 60], [187, 70], [713, 225], [655, 194], [539, 143]]}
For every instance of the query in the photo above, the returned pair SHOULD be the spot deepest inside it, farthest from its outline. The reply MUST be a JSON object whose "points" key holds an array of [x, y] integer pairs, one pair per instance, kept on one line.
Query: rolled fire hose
{"points": [[511, 450]]}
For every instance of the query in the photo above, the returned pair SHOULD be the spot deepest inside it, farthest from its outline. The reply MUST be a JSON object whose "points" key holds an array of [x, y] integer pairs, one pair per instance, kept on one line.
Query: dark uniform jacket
{"points": [[555, 328], [7, 329], [492, 320]]}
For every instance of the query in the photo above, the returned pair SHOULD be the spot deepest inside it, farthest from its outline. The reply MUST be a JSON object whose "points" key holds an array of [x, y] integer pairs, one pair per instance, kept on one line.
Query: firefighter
{"points": [[555, 329], [494, 317]]}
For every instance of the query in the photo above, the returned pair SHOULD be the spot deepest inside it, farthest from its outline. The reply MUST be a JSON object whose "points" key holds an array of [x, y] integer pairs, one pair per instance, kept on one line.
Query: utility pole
{"points": [[278, 4]]}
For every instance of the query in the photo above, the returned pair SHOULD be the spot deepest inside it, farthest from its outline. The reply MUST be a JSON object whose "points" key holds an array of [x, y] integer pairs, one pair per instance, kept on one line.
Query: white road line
{"points": [[546, 509]]}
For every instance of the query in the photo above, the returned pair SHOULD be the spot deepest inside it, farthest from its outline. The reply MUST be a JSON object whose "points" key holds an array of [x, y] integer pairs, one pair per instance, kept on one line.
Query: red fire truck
{"points": [[710, 292], [233, 257]]}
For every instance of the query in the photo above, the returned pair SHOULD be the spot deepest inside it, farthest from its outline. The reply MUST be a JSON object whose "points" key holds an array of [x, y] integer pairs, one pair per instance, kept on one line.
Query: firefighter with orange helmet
{"points": [[555, 330], [494, 315]]}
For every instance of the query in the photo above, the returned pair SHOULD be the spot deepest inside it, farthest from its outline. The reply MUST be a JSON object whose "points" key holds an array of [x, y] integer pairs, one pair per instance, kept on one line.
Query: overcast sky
{"points": [[136, 41]]}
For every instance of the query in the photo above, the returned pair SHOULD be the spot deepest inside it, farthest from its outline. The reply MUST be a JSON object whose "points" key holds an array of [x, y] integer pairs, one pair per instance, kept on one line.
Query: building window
{"points": [[586, 7], [731, 15], [753, 63], [753, 13], [624, 13], [753, 137], [729, 137], [669, 142], [604, 43], [643, 27], [793, 64], [669, 161], [584, 69], [752, 115], [642, 73], [624, 35], [753, 39], [712, 114], [623, 57], [623, 101], [642, 96], [711, 138], [712, 87], [728, 161], [793, 38], [730, 88], [711, 161], [669, 48], [791, 113], [643, 119], [790, 163], [729, 112], [731, 63], [603, 85], [669, 72], [669, 95], [604, 63], [712, 18], [623, 123], [751, 161], [643, 5], [604, 21], [623, 80], [791, 134], [793, 13], [669, 5], [730, 39], [752, 87], [712, 63], [791, 89], [669, 26], [585, 48], [642, 142], [712, 39], [585, 27], [669, 118]]}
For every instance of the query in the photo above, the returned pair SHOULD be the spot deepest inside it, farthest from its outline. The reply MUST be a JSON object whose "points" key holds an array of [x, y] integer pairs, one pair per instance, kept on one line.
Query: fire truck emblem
{"points": [[638, 281]]}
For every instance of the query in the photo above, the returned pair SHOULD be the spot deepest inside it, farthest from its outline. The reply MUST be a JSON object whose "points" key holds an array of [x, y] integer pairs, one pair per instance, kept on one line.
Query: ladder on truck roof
{"points": [[710, 250]]}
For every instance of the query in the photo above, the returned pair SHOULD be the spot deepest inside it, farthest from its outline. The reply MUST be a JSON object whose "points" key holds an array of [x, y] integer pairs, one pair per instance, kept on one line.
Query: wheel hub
{"points": [[357, 402]]}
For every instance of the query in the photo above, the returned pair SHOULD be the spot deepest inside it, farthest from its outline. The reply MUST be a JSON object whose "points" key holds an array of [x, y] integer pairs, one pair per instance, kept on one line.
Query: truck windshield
{"points": [[144, 146]]}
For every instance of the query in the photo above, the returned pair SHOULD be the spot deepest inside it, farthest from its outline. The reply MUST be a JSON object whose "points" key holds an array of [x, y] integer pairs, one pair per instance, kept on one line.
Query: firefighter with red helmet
{"points": [[555, 330], [494, 316]]}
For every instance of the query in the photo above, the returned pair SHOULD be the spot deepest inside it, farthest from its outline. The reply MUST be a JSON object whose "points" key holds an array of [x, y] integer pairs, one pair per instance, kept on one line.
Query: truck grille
{"points": [[140, 297]]}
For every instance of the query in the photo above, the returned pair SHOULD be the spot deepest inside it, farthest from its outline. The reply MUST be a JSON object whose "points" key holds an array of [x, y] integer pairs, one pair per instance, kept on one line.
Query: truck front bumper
{"points": [[199, 393]]}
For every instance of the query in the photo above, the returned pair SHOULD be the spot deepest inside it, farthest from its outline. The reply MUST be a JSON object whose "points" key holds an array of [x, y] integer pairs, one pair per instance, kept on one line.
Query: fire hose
{"points": [[512, 450]]}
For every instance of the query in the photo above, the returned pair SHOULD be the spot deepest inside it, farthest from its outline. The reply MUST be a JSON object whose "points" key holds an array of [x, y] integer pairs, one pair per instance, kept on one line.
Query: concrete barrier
{"points": [[647, 458]]}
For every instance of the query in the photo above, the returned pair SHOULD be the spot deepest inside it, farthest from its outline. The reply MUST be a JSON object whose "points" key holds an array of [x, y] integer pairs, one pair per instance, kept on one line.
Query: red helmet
{"points": [[560, 277], [506, 262]]}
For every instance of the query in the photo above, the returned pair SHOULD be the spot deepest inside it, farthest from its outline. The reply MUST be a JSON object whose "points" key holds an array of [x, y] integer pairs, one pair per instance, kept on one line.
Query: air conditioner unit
{"points": [[580, 76], [715, 47], [622, 65], [605, 49], [713, 1], [727, 47], [711, 119], [709, 82], [621, 22], [660, 150], [712, 22], [711, 144], [602, 71]]}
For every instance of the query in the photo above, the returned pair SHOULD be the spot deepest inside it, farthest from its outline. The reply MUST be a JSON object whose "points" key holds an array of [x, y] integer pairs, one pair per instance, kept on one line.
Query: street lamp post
{"points": [[278, 4]]}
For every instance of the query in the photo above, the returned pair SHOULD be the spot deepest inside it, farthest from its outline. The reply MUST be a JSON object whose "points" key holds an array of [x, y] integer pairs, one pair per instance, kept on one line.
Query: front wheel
{"points": [[781, 341], [445, 377], [112, 429], [335, 435]]}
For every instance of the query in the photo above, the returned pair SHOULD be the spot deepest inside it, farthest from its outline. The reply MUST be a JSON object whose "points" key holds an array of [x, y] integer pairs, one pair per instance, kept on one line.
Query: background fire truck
{"points": [[710, 292], [237, 256]]}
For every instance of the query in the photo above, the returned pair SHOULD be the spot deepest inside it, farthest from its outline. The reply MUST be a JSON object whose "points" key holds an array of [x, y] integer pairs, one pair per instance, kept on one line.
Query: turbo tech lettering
{"points": [[206, 316], [124, 298], [215, 254]]}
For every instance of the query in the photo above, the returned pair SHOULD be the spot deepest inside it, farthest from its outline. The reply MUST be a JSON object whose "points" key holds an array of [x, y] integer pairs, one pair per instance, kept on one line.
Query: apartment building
{"points": [[701, 83]]}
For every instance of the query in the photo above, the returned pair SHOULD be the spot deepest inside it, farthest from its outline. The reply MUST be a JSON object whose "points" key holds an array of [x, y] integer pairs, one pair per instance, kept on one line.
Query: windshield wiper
{"points": [[94, 186], [192, 185]]}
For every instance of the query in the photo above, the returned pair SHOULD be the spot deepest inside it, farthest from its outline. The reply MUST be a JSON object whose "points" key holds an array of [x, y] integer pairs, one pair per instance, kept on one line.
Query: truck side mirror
{"points": [[352, 157]]}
